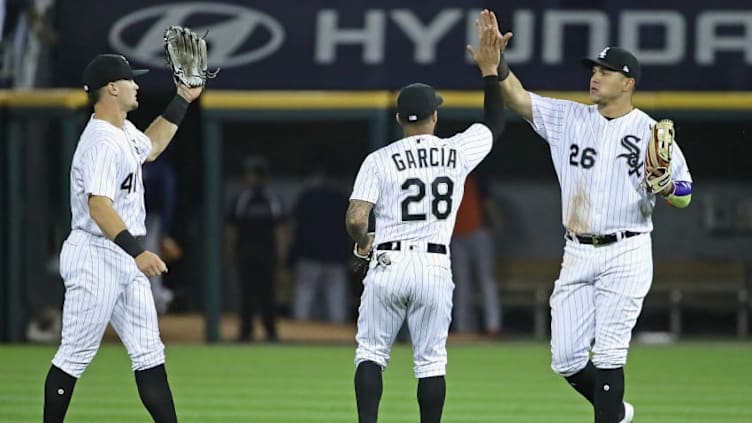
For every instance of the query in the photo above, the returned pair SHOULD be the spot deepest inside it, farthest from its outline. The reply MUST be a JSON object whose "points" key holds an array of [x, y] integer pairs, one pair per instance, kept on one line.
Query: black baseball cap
{"points": [[416, 102], [107, 68], [616, 59]]}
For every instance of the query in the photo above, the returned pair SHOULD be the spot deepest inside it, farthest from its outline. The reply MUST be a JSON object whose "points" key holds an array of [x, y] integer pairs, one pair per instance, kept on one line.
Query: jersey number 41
{"points": [[128, 184]]}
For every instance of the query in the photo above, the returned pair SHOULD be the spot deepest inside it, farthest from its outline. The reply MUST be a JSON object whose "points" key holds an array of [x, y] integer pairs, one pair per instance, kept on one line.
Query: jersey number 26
{"points": [[586, 161], [441, 191]]}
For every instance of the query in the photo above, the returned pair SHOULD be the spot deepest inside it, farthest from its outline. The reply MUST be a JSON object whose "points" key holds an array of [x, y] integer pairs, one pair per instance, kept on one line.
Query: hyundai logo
{"points": [[240, 35]]}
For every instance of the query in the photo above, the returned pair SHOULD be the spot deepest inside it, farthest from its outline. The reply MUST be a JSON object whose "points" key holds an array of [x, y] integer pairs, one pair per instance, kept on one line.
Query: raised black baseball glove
{"points": [[186, 54]]}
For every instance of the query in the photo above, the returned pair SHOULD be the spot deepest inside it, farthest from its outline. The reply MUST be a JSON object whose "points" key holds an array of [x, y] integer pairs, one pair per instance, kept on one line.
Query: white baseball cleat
{"points": [[628, 413]]}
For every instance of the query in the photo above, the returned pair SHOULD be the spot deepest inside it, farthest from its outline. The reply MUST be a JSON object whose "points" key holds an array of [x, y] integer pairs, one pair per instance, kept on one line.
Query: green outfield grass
{"points": [[506, 382]]}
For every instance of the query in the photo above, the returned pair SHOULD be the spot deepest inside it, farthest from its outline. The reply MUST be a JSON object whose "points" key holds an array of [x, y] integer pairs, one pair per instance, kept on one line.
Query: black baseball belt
{"points": [[397, 246], [599, 240]]}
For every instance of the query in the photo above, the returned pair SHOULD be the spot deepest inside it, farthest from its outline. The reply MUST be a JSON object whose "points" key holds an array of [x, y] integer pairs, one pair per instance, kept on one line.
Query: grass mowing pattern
{"points": [[507, 382]]}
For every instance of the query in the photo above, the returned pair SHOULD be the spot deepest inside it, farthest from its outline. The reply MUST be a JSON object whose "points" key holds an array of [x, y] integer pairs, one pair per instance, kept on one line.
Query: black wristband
{"points": [[493, 106], [503, 70], [175, 111], [129, 243]]}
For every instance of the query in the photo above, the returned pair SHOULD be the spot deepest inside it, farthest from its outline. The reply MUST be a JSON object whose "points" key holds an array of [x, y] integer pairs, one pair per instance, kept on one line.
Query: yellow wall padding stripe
{"points": [[311, 100], [63, 98], [674, 100], [267, 100], [732, 100]]}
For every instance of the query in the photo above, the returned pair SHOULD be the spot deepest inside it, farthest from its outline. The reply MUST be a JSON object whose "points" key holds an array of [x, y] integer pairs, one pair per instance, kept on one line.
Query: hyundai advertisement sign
{"points": [[353, 45]]}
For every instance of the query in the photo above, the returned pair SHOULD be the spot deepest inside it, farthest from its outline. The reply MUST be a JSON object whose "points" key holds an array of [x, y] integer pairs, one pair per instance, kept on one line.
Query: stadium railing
{"points": [[678, 286]]}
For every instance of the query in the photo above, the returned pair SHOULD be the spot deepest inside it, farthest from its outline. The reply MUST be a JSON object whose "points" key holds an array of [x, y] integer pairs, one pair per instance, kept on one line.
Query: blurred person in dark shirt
{"points": [[473, 261], [256, 220], [321, 248], [160, 194]]}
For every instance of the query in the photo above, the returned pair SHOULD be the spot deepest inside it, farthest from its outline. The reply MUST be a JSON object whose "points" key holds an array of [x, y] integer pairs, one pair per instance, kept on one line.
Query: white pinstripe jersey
{"points": [[600, 165], [107, 162], [416, 183]]}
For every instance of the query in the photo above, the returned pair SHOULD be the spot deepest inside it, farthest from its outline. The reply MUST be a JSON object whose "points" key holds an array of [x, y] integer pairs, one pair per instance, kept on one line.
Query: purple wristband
{"points": [[682, 188]]}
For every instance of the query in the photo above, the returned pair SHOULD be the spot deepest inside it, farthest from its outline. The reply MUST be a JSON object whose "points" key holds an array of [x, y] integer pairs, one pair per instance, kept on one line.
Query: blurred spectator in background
{"points": [[256, 222], [2, 18], [320, 249], [27, 35], [473, 258], [159, 184]]}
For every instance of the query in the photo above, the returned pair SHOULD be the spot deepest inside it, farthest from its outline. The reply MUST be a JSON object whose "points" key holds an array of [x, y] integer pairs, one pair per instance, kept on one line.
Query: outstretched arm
{"points": [[515, 95], [487, 58], [163, 128]]}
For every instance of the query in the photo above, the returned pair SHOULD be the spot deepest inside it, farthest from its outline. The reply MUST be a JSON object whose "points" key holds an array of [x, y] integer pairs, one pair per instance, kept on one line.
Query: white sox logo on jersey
{"points": [[633, 155]]}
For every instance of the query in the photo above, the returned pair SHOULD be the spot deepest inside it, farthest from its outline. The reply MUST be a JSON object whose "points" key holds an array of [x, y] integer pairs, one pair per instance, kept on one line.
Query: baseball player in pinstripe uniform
{"points": [[102, 262], [608, 192], [414, 187]]}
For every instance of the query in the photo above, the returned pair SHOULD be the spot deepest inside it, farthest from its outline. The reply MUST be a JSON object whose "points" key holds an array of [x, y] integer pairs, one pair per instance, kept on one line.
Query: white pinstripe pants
{"points": [[417, 286], [596, 302], [103, 285]]}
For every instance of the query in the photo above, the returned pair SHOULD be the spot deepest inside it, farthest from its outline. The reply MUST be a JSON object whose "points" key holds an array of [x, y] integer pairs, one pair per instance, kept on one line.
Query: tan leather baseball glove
{"points": [[186, 54], [658, 160]]}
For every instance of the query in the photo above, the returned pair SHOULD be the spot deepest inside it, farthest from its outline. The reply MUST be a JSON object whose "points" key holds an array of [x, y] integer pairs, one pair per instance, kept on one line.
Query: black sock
{"points": [[58, 389], [584, 381], [155, 394], [431, 394], [368, 388], [609, 395]]}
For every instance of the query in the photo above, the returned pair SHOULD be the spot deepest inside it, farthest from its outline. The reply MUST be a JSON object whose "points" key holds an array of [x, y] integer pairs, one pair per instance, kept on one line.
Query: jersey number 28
{"points": [[441, 190]]}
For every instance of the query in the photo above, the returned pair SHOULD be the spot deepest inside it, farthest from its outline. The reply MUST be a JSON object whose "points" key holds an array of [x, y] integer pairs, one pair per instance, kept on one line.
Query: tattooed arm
{"points": [[356, 221]]}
